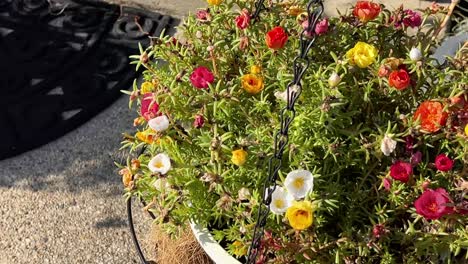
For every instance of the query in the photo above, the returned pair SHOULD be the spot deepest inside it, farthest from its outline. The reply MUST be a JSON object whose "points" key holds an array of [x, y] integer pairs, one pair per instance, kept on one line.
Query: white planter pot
{"points": [[211, 247]]}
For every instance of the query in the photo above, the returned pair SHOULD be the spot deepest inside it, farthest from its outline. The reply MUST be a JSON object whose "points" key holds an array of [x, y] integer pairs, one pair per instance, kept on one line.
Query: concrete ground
{"points": [[62, 203]]}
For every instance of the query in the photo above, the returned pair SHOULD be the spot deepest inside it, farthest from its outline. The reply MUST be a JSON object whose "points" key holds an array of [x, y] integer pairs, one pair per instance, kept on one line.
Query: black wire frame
{"points": [[132, 230]]}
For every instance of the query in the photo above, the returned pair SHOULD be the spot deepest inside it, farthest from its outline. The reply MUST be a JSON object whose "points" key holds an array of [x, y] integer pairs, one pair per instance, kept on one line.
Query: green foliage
{"points": [[337, 135]]}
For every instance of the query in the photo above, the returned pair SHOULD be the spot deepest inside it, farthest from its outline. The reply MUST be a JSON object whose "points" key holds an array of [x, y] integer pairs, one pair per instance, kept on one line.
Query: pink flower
{"points": [[401, 171], [201, 77], [412, 19], [433, 204], [321, 27], [199, 121], [149, 108], [416, 158], [387, 183], [203, 15], [378, 230], [443, 163], [243, 20]]}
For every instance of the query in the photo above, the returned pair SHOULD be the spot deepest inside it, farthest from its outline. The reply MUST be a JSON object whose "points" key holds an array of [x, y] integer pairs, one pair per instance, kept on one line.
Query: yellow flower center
{"points": [[279, 203], [158, 164], [298, 183]]}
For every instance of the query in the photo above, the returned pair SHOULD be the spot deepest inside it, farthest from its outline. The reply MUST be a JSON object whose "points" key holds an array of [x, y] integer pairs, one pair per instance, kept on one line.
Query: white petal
{"points": [[388, 145], [159, 123], [334, 79], [284, 94], [160, 163], [281, 200], [299, 183], [415, 54]]}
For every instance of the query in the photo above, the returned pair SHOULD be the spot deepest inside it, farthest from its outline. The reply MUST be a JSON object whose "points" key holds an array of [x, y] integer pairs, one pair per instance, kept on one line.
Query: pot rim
{"points": [[212, 248]]}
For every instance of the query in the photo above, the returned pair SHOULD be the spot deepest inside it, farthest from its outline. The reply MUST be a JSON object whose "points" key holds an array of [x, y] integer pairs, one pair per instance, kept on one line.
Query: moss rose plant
{"points": [[376, 170]]}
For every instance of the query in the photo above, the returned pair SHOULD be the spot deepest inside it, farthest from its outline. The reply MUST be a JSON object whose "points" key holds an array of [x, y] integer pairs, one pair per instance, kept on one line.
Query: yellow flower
{"points": [[145, 136], [255, 69], [300, 215], [214, 2], [466, 130], [146, 87], [362, 54], [239, 248], [239, 157], [253, 84], [295, 10]]}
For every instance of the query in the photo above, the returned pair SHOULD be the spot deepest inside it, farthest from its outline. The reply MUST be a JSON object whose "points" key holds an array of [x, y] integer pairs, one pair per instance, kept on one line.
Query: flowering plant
{"points": [[377, 163]]}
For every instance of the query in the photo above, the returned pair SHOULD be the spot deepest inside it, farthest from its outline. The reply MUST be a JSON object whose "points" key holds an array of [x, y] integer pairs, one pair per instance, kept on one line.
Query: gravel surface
{"points": [[63, 203]]}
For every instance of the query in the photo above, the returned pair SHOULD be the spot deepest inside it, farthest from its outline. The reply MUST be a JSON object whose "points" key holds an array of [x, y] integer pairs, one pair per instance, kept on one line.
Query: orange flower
{"points": [[431, 116], [366, 11], [252, 83]]}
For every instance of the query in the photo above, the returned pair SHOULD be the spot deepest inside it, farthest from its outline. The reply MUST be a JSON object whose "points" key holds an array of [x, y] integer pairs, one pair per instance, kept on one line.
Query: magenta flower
{"points": [[412, 19], [149, 108], [433, 204], [416, 158], [321, 27], [199, 121], [203, 15], [443, 163], [201, 77], [401, 171]]}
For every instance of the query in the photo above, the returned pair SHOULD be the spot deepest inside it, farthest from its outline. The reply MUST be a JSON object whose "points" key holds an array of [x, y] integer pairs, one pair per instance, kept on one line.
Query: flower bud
{"points": [[388, 145], [210, 48], [425, 184], [244, 194], [255, 69], [199, 121], [334, 79], [415, 54], [199, 34]]}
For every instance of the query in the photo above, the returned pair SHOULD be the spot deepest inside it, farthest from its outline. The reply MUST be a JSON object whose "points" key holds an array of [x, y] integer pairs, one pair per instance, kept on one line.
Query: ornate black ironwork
{"points": [[62, 62], [287, 115]]}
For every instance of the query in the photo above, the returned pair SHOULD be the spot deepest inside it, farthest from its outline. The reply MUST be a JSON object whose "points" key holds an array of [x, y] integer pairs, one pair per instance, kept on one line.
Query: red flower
{"points": [[276, 38], [443, 163], [433, 204], [199, 121], [201, 77], [149, 108], [399, 79], [366, 11], [431, 116], [401, 171], [243, 20]]}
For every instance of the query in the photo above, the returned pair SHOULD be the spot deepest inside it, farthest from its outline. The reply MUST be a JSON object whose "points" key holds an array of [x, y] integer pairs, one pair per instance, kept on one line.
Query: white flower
{"points": [[160, 163], [334, 79], [388, 145], [159, 123], [161, 184], [299, 183], [284, 94], [280, 201], [415, 54]]}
